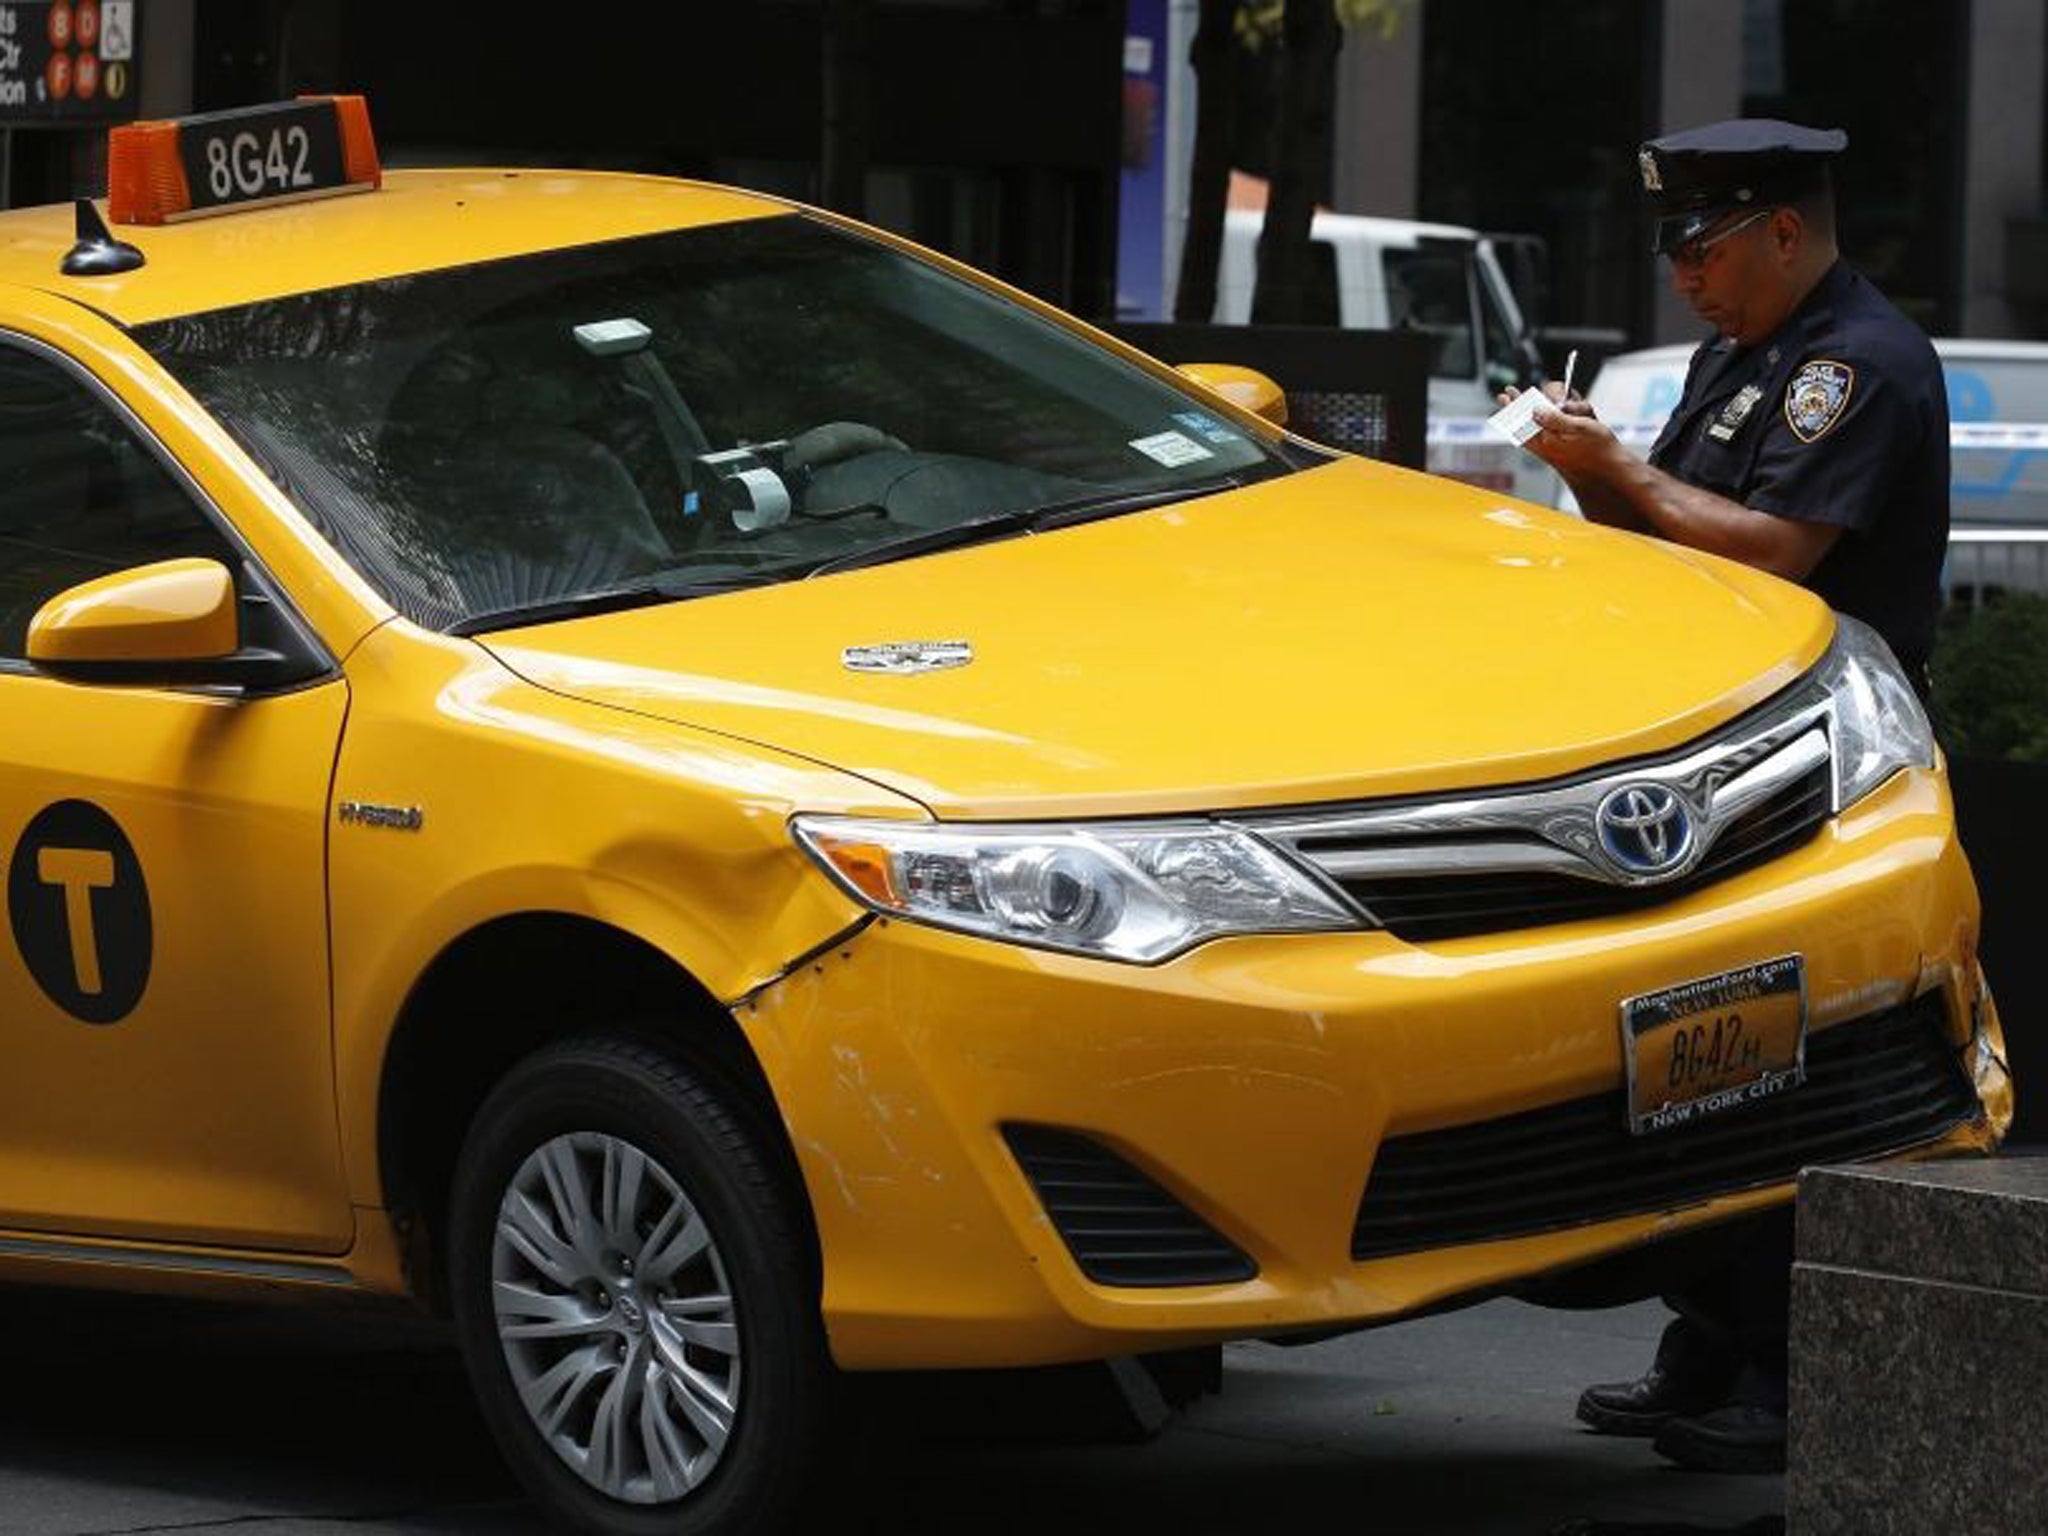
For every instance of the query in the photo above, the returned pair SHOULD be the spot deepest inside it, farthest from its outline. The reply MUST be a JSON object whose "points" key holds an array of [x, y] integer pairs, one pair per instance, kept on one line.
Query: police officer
{"points": [[1812, 437], [1811, 441]]}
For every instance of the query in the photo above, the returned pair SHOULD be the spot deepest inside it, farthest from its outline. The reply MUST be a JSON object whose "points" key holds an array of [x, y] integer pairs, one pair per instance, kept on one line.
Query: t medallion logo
{"points": [[80, 911]]}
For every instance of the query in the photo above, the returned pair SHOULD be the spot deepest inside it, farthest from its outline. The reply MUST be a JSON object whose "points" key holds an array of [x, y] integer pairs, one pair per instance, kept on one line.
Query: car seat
{"points": [[495, 491]]}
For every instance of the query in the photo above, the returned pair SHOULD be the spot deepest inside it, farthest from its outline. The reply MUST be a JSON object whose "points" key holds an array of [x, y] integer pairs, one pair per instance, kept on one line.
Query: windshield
{"points": [[683, 412]]}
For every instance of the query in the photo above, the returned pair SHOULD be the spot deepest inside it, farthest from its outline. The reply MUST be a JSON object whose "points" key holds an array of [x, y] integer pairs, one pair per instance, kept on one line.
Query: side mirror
{"points": [[1246, 387], [175, 622]]}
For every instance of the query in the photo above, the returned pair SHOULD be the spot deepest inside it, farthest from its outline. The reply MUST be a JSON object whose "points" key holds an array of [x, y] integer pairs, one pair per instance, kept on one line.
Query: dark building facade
{"points": [[1525, 119], [991, 129], [986, 128]]}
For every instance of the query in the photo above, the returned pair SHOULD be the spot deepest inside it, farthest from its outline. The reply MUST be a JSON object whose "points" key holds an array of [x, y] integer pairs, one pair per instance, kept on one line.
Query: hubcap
{"points": [[616, 1318]]}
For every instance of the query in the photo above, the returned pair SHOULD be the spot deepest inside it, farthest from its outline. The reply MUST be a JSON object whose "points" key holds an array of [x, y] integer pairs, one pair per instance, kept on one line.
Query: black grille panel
{"points": [[1874, 1085], [1121, 1228], [1422, 908]]}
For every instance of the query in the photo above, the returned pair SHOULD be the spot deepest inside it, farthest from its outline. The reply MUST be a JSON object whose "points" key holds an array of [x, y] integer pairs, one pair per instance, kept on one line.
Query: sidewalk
{"points": [[134, 1416], [1459, 1424]]}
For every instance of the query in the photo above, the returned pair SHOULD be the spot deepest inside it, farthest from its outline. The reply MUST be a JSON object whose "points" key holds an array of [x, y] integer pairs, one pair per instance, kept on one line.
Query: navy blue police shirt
{"points": [[1839, 416]]}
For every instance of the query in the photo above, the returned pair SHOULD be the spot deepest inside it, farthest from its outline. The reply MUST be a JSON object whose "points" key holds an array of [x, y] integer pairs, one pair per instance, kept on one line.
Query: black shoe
{"points": [[1644, 1406], [1736, 1437]]}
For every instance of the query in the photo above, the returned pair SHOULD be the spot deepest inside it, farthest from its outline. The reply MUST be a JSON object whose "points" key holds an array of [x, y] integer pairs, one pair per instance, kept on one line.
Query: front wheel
{"points": [[633, 1298]]}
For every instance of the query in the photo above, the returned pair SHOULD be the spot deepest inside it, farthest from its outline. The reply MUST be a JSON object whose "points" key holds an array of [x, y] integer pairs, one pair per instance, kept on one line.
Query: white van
{"points": [[1398, 274]]}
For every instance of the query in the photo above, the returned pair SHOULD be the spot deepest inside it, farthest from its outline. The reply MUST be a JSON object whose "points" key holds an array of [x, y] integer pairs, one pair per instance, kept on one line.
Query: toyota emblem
{"points": [[1645, 829]]}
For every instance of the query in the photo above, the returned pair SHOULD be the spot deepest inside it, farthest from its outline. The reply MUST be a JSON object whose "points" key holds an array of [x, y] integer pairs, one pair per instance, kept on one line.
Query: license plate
{"points": [[1714, 1044]]}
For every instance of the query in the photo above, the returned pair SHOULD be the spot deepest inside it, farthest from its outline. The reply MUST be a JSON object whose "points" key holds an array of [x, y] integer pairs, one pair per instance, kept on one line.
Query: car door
{"points": [[165, 1060]]}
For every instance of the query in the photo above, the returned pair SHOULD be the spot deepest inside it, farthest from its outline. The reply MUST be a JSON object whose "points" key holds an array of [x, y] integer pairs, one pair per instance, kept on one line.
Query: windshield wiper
{"points": [[1040, 519], [1086, 509], [674, 586], [670, 586]]}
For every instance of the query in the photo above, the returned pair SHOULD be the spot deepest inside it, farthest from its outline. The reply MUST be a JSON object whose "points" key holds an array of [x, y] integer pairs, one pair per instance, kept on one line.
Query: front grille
{"points": [[1873, 1086], [1448, 906], [1121, 1228]]}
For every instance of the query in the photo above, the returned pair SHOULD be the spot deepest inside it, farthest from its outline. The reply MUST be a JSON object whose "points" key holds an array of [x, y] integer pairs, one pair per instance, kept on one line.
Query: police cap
{"points": [[1697, 176]]}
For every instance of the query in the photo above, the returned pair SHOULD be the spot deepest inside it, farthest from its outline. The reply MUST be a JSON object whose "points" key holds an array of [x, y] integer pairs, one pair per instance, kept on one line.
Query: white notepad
{"points": [[1516, 421]]}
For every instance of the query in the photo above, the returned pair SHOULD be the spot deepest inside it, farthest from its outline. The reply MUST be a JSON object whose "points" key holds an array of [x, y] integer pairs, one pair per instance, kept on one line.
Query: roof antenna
{"points": [[98, 253]]}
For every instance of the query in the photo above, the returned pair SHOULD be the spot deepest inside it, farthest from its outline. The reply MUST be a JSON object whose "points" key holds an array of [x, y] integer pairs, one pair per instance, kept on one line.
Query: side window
{"points": [[1429, 290], [80, 497]]}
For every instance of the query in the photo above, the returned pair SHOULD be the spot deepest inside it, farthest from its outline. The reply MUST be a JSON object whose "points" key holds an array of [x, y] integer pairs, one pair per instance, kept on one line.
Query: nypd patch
{"points": [[1817, 396]]}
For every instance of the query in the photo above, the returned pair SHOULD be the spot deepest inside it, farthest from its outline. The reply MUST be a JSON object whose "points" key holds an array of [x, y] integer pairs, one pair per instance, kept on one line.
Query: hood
{"points": [[1341, 633]]}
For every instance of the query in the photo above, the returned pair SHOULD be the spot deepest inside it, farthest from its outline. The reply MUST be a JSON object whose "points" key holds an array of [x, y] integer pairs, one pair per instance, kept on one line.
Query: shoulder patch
{"points": [[1817, 396]]}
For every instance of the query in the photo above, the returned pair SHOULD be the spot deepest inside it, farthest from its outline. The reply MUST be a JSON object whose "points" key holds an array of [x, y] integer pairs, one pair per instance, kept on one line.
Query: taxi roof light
{"points": [[359, 162], [145, 177], [219, 162]]}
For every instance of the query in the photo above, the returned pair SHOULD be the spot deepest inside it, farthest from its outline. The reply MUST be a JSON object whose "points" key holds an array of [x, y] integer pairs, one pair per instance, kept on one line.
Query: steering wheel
{"points": [[836, 441]]}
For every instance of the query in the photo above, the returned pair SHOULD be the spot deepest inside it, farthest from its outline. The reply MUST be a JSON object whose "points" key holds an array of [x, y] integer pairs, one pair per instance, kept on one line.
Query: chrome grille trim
{"points": [[1753, 786], [1421, 859], [1549, 829]]}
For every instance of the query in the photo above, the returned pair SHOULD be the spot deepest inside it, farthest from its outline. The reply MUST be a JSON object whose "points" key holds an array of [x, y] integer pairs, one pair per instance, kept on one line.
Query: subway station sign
{"points": [[68, 61]]}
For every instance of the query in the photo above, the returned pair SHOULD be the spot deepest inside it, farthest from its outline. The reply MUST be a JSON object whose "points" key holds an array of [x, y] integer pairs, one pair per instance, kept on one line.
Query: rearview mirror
{"points": [[1245, 387]]}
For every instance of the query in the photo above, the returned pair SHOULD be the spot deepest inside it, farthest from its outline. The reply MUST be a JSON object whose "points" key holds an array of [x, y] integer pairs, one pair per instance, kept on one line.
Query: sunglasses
{"points": [[1694, 251]]}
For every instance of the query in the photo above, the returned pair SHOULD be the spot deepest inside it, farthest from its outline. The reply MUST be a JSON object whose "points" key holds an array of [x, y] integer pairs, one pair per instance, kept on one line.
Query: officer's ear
{"points": [[1787, 231]]}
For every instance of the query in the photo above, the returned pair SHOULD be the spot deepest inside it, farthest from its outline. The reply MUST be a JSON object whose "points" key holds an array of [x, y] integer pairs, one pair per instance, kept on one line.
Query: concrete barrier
{"points": [[1919, 1347]]}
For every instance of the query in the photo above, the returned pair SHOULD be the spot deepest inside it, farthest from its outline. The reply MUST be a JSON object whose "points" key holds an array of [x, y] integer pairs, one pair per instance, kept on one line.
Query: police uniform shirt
{"points": [[1839, 417]]}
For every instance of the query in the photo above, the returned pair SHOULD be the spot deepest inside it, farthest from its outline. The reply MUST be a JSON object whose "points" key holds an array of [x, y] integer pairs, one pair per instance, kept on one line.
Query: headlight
{"points": [[1124, 892], [1878, 724]]}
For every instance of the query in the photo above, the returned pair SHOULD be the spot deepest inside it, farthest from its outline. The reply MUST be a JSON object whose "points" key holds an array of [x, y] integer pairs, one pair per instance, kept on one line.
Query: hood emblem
{"points": [[907, 656], [1646, 829]]}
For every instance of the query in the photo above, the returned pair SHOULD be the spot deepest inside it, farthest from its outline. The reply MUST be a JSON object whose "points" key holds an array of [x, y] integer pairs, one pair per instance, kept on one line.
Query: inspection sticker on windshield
{"points": [[1172, 449], [1208, 428], [1714, 1044]]}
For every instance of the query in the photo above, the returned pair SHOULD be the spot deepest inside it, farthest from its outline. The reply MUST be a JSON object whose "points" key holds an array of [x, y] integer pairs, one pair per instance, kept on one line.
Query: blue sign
{"points": [[1141, 205]]}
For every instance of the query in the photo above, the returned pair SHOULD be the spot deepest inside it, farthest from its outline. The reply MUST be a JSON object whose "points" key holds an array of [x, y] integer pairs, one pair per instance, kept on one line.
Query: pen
{"points": [[1570, 363]]}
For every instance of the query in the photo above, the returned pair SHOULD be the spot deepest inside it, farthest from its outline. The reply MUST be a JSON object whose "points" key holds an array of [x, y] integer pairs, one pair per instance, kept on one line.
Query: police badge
{"points": [[1646, 162], [1735, 413], [1816, 397]]}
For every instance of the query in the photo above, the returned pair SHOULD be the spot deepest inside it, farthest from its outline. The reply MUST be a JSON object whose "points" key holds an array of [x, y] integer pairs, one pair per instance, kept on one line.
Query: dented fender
{"points": [[529, 802]]}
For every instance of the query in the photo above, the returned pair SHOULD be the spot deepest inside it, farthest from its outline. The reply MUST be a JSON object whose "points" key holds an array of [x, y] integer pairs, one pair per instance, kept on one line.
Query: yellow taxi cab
{"points": [[729, 800]]}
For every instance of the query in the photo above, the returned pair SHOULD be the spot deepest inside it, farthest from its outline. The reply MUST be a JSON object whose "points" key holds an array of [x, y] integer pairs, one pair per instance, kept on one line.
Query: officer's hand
{"points": [[1573, 440], [1578, 405]]}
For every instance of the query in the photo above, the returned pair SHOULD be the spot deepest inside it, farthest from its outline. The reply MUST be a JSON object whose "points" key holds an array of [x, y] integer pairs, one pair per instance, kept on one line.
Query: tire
{"points": [[606, 1201]]}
